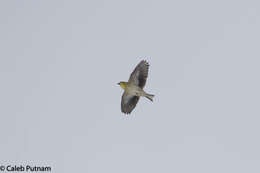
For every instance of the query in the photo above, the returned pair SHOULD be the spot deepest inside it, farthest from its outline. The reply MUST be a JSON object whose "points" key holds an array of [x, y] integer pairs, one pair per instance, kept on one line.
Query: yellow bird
{"points": [[133, 89]]}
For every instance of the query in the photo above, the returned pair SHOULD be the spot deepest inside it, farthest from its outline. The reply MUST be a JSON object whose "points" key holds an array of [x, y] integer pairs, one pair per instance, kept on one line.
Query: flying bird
{"points": [[133, 89]]}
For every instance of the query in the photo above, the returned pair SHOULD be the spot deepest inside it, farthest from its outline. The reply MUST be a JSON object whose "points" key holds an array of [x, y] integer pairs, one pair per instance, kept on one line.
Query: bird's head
{"points": [[122, 84]]}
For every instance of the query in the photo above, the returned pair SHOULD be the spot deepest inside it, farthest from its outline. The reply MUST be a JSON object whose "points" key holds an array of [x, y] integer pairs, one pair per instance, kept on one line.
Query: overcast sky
{"points": [[60, 62]]}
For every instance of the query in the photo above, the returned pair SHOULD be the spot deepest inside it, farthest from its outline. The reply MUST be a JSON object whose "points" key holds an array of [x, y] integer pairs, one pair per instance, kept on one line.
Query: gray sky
{"points": [[60, 105]]}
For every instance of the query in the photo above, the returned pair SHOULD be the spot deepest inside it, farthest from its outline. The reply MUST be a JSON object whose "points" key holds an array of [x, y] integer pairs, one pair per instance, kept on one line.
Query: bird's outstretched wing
{"points": [[140, 74], [128, 103]]}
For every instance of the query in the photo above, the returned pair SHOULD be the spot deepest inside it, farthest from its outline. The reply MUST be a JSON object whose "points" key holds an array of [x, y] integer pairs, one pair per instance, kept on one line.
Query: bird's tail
{"points": [[149, 96]]}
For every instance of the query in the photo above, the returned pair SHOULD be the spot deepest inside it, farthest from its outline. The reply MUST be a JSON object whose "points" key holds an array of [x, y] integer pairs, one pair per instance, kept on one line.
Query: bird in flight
{"points": [[133, 89]]}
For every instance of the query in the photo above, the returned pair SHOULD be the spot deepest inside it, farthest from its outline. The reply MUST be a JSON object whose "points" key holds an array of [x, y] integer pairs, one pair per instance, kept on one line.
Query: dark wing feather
{"points": [[128, 103], [140, 74]]}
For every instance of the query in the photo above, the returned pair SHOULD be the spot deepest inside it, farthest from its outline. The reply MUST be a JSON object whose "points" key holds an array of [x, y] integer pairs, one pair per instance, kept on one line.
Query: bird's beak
{"points": [[118, 83]]}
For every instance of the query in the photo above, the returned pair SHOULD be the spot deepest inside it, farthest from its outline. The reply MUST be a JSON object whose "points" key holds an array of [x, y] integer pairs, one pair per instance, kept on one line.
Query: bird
{"points": [[133, 89]]}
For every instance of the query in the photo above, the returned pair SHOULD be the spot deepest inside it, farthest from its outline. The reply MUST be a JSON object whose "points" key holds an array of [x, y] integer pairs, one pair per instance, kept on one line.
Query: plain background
{"points": [[60, 62]]}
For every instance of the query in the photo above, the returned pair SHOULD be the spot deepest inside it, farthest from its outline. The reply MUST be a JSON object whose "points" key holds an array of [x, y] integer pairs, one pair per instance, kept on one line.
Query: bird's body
{"points": [[133, 89]]}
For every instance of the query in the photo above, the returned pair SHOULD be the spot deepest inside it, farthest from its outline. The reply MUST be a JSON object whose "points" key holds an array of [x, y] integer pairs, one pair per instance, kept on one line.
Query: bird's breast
{"points": [[134, 90]]}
